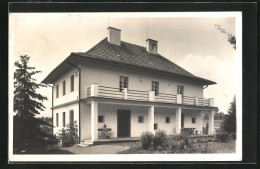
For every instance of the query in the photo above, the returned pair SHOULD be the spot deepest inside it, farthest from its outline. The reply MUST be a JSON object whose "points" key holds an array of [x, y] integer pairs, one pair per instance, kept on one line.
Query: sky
{"points": [[190, 41]]}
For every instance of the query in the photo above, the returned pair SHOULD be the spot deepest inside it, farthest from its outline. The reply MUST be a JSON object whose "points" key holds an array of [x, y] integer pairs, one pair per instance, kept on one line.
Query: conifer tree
{"points": [[229, 124], [27, 129]]}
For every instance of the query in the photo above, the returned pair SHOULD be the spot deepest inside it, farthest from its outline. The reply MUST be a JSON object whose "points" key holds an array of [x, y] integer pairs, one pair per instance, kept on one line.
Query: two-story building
{"points": [[129, 89]]}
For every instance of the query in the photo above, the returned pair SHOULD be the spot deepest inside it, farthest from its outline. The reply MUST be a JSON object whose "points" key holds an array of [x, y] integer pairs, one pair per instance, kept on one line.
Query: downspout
{"points": [[79, 94], [205, 87], [51, 107]]}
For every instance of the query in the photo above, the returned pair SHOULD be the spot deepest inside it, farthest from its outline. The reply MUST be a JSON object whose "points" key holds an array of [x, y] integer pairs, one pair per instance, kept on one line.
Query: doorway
{"points": [[123, 123], [182, 120]]}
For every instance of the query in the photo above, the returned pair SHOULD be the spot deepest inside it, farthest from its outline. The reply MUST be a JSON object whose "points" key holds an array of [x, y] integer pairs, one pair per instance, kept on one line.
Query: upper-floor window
{"points": [[180, 90], [71, 117], [63, 119], [57, 91], [155, 87], [123, 83], [72, 83], [64, 87], [57, 119]]}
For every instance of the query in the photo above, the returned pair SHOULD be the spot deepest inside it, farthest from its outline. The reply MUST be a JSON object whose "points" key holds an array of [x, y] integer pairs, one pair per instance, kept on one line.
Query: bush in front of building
{"points": [[146, 140], [159, 139], [179, 143], [69, 135], [223, 137]]}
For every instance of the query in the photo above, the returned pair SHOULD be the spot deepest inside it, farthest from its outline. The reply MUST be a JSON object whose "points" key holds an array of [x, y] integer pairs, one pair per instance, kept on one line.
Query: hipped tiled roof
{"points": [[135, 55]]}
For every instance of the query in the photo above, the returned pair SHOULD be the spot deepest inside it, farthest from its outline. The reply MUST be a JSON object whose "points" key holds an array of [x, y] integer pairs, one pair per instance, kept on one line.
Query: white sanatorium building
{"points": [[128, 88]]}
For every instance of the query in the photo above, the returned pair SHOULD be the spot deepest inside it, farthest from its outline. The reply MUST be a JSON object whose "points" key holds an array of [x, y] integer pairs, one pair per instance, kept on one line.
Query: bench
{"points": [[105, 133]]}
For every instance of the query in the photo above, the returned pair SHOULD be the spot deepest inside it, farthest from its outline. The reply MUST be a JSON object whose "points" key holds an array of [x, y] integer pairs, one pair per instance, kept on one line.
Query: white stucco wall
{"points": [[188, 115], [69, 96], [85, 123], [160, 118], [66, 109], [107, 76]]}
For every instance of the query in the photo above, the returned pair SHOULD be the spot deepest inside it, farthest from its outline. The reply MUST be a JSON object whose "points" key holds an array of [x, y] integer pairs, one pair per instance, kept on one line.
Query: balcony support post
{"points": [[196, 101], [178, 120], [211, 123], [151, 119], [94, 121], [94, 90], [151, 96], [125, 93], [179, 98]]}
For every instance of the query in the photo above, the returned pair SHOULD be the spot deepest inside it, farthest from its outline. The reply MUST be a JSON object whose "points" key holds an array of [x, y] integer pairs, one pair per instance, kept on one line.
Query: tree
{"points": [[219, 116], [231, 38], [28, 134], [229, 124]]}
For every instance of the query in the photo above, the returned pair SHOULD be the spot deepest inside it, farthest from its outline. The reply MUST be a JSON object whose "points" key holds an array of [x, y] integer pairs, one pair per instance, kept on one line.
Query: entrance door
{"points": [[182, 120], [123, 123]]}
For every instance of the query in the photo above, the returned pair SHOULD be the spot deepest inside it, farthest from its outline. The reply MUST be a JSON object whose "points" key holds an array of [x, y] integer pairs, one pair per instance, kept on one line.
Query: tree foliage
{"points": [[229, 124], [231, 38], [27, 130]]}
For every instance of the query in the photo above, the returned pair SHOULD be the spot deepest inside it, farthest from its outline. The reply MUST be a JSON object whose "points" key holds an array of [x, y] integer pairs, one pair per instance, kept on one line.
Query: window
{"points": [[140, 119], [57, 119], [155, 126], [57, 91], [72, 83], [71, 117], [123, 83], [193, 120], [101, 119], [180, 89], [167, 119], [155, 87], [63, 119], [64, 87]]}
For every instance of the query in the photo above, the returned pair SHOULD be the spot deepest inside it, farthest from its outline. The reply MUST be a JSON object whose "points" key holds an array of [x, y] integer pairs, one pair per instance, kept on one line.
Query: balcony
{"points": [[136, 95]]}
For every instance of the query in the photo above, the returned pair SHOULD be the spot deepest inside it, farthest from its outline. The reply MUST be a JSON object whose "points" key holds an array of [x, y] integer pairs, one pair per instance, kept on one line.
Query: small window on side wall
{"points": [[101, 119], [140, 119], [155, 126], [167, 119], [193, 120]]}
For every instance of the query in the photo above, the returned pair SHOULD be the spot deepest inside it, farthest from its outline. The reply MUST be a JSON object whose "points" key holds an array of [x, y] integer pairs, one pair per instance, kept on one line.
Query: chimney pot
{"points": [[114, 36], [151, 46]]}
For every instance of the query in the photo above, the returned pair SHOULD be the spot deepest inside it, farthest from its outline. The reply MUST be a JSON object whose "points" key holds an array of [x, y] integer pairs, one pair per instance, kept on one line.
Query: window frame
{"points": [[57, 91], [169, 119], [64, 87], [72, 81], [193, 120], [71, 122], [180, 89], [64, 119], [155, 87], [140, 119], [57, 119], [103, 119], [123, 82]]}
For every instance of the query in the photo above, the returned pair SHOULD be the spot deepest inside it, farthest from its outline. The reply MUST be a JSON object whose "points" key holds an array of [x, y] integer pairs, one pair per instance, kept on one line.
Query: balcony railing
{"points": [[110, 92]]}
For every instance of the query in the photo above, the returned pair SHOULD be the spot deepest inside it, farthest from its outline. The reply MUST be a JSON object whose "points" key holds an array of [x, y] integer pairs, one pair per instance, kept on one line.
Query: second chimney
{"points": [[114, 36], [151, 46]]}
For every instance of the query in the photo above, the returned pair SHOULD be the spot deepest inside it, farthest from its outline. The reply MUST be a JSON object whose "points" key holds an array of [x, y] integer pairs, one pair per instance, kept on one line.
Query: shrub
{"points": [[179, 143], [146, 140], [233, 136], [223, 137], [159, 139], [69, 136]]}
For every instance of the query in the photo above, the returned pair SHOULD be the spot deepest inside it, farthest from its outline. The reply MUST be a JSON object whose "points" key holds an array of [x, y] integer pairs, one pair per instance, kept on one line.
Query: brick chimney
{"points": [[114, 36], [151, 46]]}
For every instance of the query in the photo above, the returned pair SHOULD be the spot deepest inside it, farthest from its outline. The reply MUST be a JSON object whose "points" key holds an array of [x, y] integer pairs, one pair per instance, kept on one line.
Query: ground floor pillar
{"points": [[211, 123], [178, 120], [151, 119], [94, 120]]}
